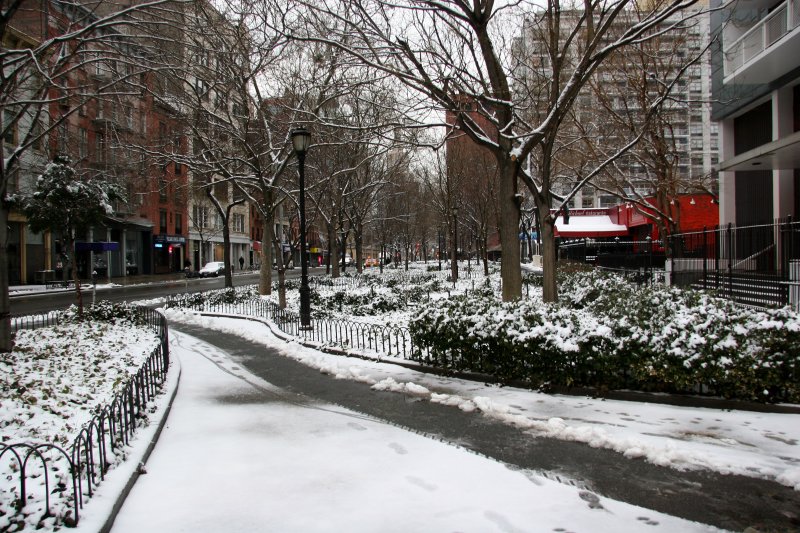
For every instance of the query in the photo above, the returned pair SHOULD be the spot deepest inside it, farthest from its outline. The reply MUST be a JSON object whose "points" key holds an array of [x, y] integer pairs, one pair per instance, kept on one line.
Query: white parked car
{"points": [[212, 268]]}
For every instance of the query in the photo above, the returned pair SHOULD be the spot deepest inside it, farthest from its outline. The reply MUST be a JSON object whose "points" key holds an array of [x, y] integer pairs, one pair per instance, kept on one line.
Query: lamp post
{"points": [[300, 141], [454, 258], [439, 250]]}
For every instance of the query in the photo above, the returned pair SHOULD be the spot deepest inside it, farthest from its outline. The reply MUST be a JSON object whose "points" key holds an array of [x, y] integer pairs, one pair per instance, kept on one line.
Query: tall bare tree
{"points": [[460, 49]]}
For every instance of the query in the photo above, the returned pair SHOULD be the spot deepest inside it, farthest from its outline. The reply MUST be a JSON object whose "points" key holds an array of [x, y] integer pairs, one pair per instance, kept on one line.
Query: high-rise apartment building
{"points": [[677, 155]]}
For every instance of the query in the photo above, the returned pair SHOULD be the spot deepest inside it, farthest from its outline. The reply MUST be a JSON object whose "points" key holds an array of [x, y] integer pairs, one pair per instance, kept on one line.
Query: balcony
{"points": [[767, 50]]}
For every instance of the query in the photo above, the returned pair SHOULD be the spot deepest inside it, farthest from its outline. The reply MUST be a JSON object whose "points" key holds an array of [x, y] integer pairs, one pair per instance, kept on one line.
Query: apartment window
{"points": [[238, 223], [83, 143], [128, 118], [162, 188], [199, 216], [38, 134], [62, 137], [178, 223], [99, 148], [162, 221], [9, 128], [178, 169], [217, 221]]}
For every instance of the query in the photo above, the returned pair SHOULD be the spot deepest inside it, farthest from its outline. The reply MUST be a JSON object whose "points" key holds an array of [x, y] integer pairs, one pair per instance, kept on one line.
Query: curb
{"points": [[123, 495]]}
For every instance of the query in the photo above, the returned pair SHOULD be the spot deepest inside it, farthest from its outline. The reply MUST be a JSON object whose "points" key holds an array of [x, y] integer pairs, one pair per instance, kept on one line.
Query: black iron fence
{"points": [[754, 265], [375, 339], [63, 478], [637, 261]]}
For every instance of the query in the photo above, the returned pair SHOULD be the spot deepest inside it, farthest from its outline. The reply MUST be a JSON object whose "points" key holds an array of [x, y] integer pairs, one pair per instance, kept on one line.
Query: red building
{"points": [[100, 113]]}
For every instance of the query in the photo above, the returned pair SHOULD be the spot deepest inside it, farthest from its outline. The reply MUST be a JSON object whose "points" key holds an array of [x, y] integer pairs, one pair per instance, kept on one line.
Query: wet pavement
{"points": [[731, 502]]}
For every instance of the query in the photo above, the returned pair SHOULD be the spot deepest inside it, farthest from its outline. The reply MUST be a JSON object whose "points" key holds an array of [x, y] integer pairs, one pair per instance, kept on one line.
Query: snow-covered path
{"points": [[240, 455]]}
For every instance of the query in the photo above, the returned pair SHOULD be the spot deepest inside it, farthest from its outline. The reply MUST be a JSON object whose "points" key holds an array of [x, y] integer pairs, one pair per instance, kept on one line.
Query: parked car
{"points": [[348, 260], [371, 262], [212, 268]]}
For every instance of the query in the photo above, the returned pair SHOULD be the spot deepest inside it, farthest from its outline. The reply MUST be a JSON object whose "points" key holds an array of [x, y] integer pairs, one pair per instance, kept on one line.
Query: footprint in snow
{"points": [[592, 499], [398, 448], [359, 427]]}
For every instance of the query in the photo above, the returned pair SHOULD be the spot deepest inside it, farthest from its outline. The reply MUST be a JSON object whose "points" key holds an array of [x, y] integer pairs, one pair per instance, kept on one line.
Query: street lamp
{"points": [[454, 262], [300, 141]]}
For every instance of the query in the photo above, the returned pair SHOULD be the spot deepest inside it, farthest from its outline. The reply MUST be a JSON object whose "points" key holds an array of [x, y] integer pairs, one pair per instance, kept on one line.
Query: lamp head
{"points": [[301, 138]]}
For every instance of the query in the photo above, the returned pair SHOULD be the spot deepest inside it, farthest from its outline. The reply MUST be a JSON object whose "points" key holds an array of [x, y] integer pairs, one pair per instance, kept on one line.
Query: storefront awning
{"points": [[594, 226], [132, 221]]}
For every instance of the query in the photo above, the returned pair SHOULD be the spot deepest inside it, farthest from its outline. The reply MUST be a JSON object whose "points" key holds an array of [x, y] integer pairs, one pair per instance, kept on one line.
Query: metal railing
{"points": [[81, 467], [380, 340], [751, 265], [766, 32], [637, 261]]}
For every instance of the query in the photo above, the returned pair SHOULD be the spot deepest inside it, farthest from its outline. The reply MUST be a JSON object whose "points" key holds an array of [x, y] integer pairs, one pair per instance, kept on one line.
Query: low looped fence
{"points": [[60, 479], [380, 340]]}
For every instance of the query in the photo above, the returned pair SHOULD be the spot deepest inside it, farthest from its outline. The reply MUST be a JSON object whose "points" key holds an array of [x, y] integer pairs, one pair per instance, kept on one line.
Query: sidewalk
{"points": [[103, 283], [240, 454]]}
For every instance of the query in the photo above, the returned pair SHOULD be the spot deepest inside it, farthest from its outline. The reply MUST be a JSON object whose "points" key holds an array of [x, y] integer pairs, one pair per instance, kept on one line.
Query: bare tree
{"points": [[653, 174], [457, 50]]}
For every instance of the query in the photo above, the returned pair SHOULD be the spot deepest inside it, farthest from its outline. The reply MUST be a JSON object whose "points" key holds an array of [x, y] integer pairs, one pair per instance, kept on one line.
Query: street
{"points": [[42, 302]]}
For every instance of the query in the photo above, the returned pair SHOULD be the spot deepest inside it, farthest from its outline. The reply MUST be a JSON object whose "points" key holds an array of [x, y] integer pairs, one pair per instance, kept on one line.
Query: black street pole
{"points": [[300, 139]]}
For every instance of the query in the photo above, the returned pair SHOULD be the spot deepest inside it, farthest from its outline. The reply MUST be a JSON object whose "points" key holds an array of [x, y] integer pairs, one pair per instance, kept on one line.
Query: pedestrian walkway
{"points": [[259, 442], [240, 454]]}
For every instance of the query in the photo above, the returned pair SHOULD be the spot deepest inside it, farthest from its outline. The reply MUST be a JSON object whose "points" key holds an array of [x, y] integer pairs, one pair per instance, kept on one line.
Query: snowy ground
{"points": [[358, 474], [739, 442], [270, 463]]}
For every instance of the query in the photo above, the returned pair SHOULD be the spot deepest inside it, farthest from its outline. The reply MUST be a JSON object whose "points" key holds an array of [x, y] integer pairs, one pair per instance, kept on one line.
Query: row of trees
{"points": [[366, 77]]}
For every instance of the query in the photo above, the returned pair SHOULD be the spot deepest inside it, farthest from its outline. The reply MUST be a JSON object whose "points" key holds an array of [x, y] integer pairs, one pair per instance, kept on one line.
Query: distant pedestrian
{"points": [[241, 263]]}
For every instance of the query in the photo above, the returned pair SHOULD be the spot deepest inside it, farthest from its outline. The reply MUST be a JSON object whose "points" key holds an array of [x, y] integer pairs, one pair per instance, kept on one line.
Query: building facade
{"points": [[100, 112], [756, 95], [678, 154]]}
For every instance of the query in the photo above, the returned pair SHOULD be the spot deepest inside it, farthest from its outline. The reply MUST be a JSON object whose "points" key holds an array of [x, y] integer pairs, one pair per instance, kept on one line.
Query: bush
{"points": [[609, 334]]}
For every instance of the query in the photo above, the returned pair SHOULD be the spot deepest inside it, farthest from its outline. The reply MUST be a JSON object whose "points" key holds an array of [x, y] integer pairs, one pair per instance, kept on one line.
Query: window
{"points": [[199, 216], [99, 148], [9, 128], [128, 118], [178, 223], [162, 221], [162, 188], [178, 169], [83, 143], [62, 137], [238, 223]]}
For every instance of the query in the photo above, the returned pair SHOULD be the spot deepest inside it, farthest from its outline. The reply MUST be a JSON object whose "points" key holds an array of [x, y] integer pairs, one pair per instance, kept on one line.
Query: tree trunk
{"points": [[358, 236], [75, 278], [226, 254], [265, 271], [282, 286], [6, 339], [334, 251], [454, 253], [510, 270], [550, 287]]}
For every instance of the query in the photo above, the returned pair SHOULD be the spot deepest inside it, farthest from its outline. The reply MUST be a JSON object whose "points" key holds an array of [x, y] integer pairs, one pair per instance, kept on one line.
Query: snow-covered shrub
{"points": [[675, 339], [526, 340], [105, 311], [608, 333]]}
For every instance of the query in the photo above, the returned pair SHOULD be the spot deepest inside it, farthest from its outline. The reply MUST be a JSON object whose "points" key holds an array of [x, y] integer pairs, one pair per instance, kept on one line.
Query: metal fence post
{"points": [[730, 260]]}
